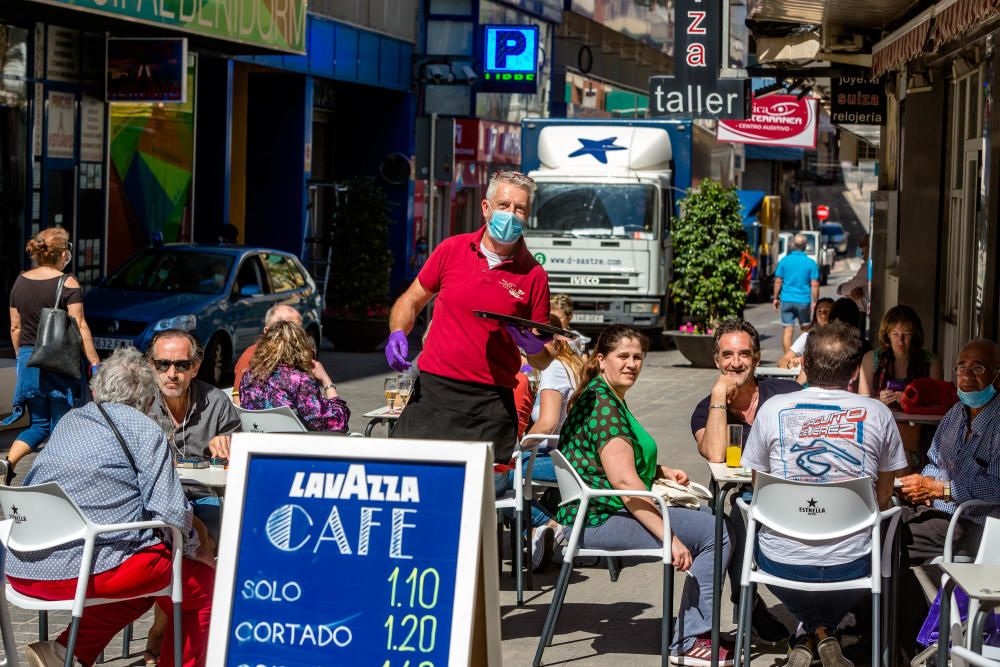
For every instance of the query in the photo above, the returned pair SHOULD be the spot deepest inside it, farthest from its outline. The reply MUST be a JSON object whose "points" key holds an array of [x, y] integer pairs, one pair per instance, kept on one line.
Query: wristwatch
{"points": [[329, 386], [947, 491]]}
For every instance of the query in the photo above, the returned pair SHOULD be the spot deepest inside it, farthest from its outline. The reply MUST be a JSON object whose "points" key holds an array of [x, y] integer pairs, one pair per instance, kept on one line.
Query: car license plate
{"points": [[111, 343], [589, 318]]}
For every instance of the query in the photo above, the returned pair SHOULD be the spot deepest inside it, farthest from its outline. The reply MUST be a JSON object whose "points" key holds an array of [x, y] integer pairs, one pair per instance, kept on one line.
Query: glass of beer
{"points": [[391, 386], [405, 385], [734, 445]]}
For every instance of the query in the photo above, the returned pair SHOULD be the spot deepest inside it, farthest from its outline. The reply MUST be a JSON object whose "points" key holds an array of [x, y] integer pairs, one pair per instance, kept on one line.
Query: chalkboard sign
{"points": [[342, 551]]}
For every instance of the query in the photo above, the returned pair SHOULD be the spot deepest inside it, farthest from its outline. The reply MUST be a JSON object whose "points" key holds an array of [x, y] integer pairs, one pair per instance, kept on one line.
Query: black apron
{"points": [[441, 408]]}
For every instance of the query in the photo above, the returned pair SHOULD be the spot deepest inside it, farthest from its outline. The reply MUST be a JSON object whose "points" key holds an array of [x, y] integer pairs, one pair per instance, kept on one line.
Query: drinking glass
{"points": [[405, 386], [734, 445], [391, 386]]}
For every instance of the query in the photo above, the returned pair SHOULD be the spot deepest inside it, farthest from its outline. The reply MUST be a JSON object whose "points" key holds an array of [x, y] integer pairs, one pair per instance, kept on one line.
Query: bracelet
{"points": [[329, 386], [720, 406]]}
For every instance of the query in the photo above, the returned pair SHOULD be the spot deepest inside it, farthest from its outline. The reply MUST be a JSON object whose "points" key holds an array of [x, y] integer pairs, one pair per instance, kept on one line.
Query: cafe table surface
{"points": [[774, 371], [914, 419], [980, 582], [382, 415], [210, 476], [724, 479]]}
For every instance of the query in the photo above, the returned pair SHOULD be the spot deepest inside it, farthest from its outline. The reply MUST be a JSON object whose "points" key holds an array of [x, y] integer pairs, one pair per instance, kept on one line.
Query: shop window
{"points": [[453, 38]]}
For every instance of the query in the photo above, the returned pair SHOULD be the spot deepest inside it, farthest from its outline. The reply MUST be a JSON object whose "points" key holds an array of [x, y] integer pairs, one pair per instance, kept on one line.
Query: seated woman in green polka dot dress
{"points": [[608, 447]]}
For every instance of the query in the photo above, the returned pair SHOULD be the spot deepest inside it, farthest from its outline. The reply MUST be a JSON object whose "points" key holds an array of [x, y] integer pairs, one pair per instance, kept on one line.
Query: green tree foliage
{"points": [[708, 279], [359, 276]]}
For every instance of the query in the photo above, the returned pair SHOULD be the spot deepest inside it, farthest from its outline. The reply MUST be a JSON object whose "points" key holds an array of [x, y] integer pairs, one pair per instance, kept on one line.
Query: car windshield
{"points": [[166, 270], [594, 210]]}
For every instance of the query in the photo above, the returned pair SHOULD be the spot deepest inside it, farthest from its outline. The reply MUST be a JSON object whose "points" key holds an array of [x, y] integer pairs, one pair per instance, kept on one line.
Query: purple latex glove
{"points": [[526, 369], [527, 341], [396, 351]]}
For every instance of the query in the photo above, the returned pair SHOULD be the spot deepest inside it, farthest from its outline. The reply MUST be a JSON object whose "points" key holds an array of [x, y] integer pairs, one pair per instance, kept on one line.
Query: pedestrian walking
{"points": [[796, 288], [45, 394]]}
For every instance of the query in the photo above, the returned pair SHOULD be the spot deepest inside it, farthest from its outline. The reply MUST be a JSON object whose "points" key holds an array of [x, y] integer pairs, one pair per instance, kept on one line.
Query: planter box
{"points": [[356, 335], [696, 348]]}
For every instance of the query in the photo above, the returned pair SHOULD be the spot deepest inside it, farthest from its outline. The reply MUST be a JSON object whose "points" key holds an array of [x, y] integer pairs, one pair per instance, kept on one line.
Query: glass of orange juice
{"points": [[734, 445]]}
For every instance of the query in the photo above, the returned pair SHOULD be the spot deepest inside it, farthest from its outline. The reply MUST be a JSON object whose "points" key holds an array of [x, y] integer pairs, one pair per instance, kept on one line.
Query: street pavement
{"points": [[602, 622]]}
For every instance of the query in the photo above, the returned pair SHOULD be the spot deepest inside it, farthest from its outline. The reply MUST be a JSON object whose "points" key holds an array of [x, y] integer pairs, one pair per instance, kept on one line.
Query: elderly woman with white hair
{"points": [[111, 485]]}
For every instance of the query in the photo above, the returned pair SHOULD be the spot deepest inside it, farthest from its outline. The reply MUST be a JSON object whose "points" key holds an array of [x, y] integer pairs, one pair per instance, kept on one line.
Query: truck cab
{"points": [[600, 223]]}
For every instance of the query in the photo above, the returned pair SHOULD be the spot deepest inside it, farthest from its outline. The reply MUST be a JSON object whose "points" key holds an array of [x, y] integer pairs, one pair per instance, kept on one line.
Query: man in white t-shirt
{"points": [[823, 434]]}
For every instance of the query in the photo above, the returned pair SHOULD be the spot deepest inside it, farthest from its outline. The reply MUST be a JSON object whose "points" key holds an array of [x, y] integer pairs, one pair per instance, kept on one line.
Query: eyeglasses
{"points": [[182, 365], [69, 246], [975, 368]]}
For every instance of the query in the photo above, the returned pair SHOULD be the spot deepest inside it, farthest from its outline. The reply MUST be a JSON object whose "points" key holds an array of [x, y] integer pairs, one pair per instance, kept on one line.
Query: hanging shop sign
{"points": [[695, 90], [60, 135], [334, 555], [277, 25], [509, 59], [857, 101], [777, 120]]}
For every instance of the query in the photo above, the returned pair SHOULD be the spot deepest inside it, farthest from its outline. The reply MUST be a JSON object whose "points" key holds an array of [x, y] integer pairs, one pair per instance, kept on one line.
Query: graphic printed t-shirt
{"points": [[796, 270], [597, 418], [460, 345], [822, 435]]}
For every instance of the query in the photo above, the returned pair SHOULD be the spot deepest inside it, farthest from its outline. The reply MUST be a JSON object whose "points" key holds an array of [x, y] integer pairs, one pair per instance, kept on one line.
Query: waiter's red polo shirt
{"points": [[460, 345]]}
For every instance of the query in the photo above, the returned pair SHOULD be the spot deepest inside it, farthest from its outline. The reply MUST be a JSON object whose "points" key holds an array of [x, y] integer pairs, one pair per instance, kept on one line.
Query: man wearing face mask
{"points": [[464, 390], [964, 465]]}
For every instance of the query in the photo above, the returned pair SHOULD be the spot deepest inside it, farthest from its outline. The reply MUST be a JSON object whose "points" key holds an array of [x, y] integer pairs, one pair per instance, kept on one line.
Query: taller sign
{"points": [[695, 90]]}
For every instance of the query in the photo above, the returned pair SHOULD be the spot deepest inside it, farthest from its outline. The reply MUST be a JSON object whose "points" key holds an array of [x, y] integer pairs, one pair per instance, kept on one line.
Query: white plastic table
{"points": [[212, 476], [724, 479], [380, 416], [774, 371], [914, 419]]}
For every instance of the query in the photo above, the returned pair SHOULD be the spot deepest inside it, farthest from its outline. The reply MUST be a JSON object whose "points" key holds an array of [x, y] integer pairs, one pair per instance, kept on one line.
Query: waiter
{"points": [[465, 389]]}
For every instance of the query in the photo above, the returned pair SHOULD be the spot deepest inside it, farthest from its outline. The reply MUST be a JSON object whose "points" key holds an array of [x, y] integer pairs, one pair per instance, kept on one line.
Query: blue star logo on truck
{"points": [[597, 147]]}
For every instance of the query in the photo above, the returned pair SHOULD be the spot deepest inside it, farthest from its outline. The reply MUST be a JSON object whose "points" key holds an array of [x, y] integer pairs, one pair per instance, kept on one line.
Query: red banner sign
{"points": [[778, 120]]}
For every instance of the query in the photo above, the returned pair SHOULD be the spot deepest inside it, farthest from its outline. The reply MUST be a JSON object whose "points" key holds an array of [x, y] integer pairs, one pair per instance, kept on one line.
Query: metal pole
{"points": [[431, 242]]}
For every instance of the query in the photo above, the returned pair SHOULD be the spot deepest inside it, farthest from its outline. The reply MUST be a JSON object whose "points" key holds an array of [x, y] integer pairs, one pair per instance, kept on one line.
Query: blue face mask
{"points": [[977, 399], [504, 226]]}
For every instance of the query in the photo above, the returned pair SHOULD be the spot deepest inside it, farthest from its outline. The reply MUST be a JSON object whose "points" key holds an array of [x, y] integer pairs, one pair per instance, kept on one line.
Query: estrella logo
{"points": [[808, 454]]}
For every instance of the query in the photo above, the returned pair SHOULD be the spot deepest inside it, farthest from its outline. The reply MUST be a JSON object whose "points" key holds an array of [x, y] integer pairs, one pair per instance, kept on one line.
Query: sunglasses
{"points": [[182, 365]]}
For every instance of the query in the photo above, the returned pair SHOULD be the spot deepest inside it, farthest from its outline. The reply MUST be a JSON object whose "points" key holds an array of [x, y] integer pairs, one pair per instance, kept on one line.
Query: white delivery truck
{"points": [[600, 224]]}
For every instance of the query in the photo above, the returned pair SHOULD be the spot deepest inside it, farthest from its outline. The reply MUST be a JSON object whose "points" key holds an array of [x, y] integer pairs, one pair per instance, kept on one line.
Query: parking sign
{"points": [[510, 59]]}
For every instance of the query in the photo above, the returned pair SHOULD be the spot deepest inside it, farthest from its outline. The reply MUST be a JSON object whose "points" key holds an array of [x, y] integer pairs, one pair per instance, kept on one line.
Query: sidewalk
{"points": [[602, 623]]}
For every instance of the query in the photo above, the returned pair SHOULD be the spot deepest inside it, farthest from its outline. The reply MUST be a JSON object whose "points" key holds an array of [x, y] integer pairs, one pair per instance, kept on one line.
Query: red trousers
{"points": [[144, 572]]}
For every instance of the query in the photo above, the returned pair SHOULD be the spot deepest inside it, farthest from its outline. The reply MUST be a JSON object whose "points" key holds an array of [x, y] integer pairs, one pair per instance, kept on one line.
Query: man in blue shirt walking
{"points": [[796, 289]]}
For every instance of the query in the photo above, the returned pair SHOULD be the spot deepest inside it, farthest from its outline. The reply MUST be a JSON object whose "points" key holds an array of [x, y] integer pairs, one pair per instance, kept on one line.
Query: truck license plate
{"points": [[111, 343], [589, 318]]}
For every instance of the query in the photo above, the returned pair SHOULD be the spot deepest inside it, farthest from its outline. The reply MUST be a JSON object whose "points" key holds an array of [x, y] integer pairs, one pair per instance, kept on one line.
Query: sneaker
{"points": [[700, 654], [46, 654], [541, 547], [766, 628], [831, 655], [800, 656]]}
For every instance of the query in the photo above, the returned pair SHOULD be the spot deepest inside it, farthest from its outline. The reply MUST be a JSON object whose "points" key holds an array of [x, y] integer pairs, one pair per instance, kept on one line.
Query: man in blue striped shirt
{"points": [[964, 465]]}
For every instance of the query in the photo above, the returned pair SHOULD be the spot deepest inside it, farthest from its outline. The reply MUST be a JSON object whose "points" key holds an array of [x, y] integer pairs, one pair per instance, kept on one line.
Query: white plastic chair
{"points": [[988, 554], [47, 518], [272, 420], [518, 499], [963, 656], [851, 508], [573, 489]]}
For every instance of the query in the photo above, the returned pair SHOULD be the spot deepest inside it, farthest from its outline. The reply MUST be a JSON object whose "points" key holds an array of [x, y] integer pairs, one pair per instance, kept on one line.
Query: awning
{"points": [[750, 201], [952, 17], [903, 45]]}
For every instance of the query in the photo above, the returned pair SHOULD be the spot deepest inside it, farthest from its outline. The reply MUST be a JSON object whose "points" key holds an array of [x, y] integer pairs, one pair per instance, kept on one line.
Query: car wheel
{"points": [[216, 361]]}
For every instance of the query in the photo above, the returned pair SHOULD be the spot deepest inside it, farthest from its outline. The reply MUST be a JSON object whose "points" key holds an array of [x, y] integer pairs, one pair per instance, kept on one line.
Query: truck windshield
{"points": [[596, 210]]}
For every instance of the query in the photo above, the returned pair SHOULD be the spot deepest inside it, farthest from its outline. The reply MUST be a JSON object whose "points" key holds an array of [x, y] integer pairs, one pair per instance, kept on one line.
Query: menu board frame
{"points": [[475, 623]]}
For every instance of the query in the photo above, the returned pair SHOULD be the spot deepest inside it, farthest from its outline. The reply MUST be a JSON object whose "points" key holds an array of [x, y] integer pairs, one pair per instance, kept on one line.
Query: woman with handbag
{"points": [[48, 330]]}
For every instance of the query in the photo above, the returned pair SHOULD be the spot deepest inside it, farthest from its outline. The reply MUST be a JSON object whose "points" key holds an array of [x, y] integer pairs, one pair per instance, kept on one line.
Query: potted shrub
{"points": [[358, 291], [708, 281]]}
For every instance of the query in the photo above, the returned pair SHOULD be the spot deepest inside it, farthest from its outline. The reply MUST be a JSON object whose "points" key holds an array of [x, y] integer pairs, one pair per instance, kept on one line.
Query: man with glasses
{"points": [[964, 465], [735, 399]]}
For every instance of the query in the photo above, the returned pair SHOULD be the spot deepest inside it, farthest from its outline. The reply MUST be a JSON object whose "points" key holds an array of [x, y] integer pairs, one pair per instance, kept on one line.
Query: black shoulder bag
{"points": [[58, 342]]}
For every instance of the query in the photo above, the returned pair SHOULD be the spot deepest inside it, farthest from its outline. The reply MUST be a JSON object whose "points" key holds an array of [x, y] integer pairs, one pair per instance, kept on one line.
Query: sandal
{"points": [[149, 658]]}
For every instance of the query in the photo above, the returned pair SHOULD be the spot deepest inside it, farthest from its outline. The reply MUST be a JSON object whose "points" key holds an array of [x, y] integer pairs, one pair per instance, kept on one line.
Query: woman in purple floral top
{"points": [[284, 371]]}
